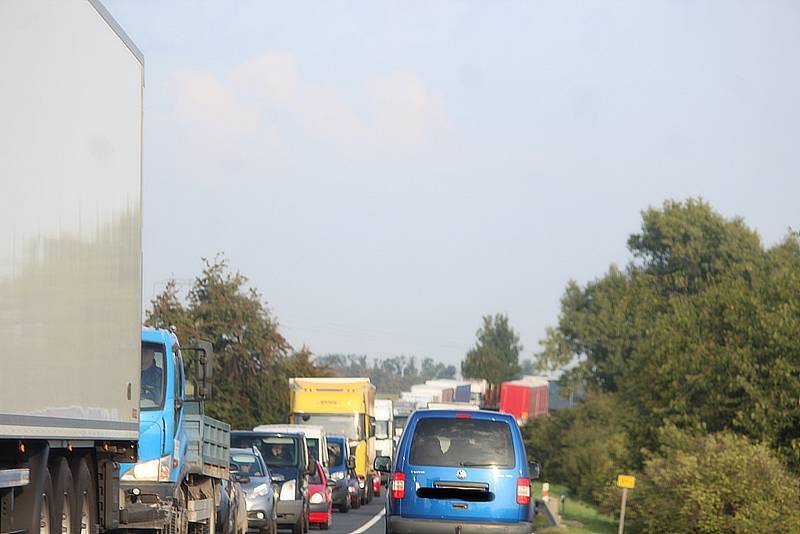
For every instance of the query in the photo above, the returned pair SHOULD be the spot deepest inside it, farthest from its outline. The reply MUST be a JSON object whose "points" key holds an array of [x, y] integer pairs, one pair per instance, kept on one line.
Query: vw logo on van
{"points": [[461, 474]]}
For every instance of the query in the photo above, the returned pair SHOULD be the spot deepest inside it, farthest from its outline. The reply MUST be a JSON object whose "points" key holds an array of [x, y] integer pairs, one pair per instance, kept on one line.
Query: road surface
{"points": [[366, 520]]}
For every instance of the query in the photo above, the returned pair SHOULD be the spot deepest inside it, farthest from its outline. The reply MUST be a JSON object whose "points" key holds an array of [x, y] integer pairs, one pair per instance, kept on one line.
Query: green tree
{"points": [[252, 360], [698, 331], [495, 356]]}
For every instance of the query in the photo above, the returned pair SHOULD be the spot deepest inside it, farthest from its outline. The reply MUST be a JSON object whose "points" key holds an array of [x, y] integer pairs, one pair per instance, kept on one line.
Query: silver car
{"points": [[250, 471]]}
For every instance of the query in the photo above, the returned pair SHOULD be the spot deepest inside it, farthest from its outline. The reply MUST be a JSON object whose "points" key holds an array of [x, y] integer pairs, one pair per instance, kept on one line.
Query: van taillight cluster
{"points": [[398, 485], [523, 491]]}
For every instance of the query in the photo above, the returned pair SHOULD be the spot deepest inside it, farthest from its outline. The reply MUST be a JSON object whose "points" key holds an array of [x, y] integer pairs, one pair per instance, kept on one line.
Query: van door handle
{"points": [[460, 505]]}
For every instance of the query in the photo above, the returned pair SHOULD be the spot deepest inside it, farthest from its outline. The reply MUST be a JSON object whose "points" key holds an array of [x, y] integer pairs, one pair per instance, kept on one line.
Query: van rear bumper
{"points": [[408, 525]]}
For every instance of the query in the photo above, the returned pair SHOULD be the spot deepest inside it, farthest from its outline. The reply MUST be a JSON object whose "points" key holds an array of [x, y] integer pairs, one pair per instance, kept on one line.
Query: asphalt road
{"points": [[353, 521]]}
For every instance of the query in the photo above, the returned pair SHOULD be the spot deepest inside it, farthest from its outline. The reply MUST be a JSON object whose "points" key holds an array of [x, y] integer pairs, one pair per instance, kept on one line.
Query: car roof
{"points": [[258, 433], [468, 414]]}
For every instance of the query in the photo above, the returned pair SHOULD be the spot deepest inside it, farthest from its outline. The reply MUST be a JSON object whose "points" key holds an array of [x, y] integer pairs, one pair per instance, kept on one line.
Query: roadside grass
{"points": [[578, 516]]}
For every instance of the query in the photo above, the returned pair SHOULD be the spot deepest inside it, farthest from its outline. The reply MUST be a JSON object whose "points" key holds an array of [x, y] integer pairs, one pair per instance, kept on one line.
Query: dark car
{"points": [[286, 456], [354, 488], [459, 471], [250, 471]]}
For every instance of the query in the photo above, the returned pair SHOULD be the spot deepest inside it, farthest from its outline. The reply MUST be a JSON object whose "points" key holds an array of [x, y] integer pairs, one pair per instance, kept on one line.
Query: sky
{"points": [[385, 173]]}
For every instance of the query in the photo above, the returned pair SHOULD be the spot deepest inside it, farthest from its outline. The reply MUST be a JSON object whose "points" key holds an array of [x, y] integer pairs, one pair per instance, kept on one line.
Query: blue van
{"points": [[459, 472]]}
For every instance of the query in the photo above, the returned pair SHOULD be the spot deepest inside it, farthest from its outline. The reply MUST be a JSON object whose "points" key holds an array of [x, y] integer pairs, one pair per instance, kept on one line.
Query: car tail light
{"points": [[523, 491], [398, 485]]}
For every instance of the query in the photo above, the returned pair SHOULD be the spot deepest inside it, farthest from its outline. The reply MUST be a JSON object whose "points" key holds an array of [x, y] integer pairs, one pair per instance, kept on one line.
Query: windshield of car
{"points": [[456, 442], [246, 464], [382, 429], [277, 451], [349, 425], [335, 454], [153, 376]]}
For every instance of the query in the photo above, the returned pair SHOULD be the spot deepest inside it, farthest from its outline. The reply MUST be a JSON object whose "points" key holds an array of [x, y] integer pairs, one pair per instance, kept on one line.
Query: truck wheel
{"points": [[45, 504], [63, 503], [85, 515]]}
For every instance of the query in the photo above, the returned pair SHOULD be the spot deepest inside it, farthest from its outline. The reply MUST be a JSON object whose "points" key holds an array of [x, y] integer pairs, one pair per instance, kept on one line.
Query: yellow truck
{"points": [[343, 407]]}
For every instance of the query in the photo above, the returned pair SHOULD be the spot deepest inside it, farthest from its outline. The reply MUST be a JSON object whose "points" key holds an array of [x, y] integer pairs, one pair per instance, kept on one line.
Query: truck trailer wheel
{"points": [[85, 515], [63, 502], [45, 505]]}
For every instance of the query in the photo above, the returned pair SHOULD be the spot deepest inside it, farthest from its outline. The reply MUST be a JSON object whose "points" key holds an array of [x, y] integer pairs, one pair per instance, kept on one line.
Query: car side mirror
{"points": [[383, 464], [242, 479], [534, 470], [351, 462]]}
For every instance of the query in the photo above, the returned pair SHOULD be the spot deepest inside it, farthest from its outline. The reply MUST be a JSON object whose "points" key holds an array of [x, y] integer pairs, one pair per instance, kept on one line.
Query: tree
{"points": [[698, 331], [495, 356], [252, 360]]}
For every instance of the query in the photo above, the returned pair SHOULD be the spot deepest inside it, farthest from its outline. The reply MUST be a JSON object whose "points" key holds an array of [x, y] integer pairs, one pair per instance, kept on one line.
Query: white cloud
{"points": [[267, 98]]}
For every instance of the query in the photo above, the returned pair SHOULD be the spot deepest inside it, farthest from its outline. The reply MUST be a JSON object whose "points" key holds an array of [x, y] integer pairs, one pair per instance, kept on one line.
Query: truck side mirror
{"points": [[351, 462], [203, 368]]}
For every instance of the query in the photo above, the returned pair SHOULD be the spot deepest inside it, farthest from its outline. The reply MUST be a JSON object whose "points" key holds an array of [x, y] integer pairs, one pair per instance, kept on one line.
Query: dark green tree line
{"points": [[390, 375]]}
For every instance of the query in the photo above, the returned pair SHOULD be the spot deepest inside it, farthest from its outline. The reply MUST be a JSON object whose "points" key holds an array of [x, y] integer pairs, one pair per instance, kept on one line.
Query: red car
{"points": [[319, 495], [376, 484]]}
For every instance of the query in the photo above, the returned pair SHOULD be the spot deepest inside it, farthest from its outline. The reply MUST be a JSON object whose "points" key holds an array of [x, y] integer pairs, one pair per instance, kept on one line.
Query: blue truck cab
{"points": [[183, 454], [162, 437], [464, 472]]}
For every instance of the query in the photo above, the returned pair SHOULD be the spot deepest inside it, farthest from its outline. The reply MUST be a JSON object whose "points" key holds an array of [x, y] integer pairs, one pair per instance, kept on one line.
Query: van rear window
{"points": [[450, 442]]}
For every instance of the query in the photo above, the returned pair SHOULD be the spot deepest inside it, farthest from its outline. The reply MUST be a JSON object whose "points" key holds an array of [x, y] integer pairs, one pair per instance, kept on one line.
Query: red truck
{"points": [[524, 399]]}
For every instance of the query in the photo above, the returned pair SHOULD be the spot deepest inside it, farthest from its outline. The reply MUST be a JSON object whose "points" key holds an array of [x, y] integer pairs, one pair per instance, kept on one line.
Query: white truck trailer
{"points": [[70, 264]]}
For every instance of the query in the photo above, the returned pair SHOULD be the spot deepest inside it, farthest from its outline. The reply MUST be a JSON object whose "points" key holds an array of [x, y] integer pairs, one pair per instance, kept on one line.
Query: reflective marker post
{"points": [[625, 482]]}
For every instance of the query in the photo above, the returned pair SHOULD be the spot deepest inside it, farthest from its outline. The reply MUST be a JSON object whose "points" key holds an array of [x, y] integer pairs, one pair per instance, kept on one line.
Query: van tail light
{"points": [[398, 485], [523, 491]]}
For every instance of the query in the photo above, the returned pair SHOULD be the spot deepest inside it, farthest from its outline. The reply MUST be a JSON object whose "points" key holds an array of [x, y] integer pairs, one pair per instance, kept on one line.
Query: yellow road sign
{"points": [[626, 481]]}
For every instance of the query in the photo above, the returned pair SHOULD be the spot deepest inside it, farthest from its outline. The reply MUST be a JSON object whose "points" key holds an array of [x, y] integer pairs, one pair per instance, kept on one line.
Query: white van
{"points": [[315, 437]]}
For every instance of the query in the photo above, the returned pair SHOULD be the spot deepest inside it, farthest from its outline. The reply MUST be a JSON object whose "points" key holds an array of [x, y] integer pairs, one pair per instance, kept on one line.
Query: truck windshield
{"points": [[382, 429], [153, 376], [452, 442], [335, 454], [349, 425]]}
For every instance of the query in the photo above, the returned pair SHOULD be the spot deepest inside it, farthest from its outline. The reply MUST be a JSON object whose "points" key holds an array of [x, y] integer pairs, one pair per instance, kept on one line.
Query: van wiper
{"points": [[476, 464]]}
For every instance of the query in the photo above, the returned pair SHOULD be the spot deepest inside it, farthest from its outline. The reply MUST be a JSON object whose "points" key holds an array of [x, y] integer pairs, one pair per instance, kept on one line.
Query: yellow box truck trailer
{"points": [[342, 406]]}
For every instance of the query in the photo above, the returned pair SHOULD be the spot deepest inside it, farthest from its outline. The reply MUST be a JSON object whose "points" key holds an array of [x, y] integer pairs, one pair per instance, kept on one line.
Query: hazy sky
{"points": [[387, 172]]}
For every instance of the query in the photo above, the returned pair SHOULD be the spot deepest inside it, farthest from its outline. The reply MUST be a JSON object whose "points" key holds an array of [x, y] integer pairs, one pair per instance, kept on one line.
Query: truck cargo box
{"points": [[524, 399], [70, 223], [208, 444]]}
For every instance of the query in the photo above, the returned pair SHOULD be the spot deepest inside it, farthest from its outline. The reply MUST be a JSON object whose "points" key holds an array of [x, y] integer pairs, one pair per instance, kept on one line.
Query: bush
{"points": [[717, 483]]}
